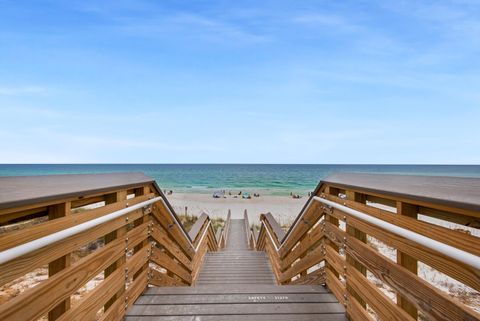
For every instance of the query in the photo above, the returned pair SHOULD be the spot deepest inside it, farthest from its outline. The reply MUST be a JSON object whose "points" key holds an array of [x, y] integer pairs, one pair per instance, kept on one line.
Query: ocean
{"points": [[267, 179]]}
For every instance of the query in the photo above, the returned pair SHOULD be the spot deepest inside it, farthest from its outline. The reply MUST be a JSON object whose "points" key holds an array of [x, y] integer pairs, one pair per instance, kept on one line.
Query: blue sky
{"points": [[268, 81]]}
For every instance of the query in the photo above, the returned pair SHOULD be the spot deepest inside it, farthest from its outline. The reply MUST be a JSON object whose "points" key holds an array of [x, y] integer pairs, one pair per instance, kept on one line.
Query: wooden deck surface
{"points": [[24, 190], [237, 284], [461, 192]]}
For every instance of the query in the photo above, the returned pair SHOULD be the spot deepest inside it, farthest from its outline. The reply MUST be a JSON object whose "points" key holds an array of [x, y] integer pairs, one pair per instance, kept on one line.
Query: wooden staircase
{"points": [[237, 284], [236, 264]]}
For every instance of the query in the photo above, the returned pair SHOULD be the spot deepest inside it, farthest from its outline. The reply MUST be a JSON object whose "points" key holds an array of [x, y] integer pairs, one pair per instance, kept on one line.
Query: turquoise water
{"points": [[266, 179]]}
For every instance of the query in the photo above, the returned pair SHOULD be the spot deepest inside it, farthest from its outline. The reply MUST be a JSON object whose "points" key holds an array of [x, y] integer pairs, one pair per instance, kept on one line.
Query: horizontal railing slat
{"points": [[164, 260], [15, 238], [18, 267], [437, 260], [383, 306], [310, 240], [312, 258], [163, 217], [37, 301], [160, 236], [445, 235], [436, 304]]}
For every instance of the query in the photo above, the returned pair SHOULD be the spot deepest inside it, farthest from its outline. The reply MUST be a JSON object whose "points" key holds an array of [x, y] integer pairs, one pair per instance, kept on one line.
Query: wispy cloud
{"points": [[338, 22], [158, 20], [354, 29], [191, 26], [455, 21], [22, 90]]}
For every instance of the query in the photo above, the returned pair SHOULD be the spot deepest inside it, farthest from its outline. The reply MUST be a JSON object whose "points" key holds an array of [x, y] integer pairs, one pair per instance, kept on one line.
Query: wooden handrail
{"points": [[197, 227], [138, 241], [275, 227], [450, 251], [327, 245], [247, 227], [35, 245], [254, 234], [222, 242]]}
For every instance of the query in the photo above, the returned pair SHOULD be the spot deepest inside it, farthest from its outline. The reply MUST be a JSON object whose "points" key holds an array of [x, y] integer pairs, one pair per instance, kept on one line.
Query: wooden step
{"points": [[265, 289], [237, 284]]}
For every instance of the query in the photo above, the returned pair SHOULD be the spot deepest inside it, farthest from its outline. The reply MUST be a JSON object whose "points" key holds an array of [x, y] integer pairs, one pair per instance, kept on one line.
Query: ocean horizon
{"points": [[269, 179]]}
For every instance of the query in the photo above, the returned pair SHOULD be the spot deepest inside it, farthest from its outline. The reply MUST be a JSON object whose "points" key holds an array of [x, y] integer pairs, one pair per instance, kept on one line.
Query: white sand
{"points": [[283, 208]]}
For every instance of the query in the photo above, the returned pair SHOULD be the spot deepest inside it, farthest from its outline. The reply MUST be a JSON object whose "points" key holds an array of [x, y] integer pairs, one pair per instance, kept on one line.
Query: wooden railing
{"points": [[222, 235], [122, 256], [370, 269], [247, 229]]}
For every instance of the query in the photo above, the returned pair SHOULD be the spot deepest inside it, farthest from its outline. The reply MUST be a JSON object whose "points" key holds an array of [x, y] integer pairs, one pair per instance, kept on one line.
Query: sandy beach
{"points": [[283, 208]]}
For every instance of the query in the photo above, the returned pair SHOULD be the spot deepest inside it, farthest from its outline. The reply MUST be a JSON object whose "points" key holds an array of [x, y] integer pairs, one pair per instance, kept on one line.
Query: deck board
{"points": [[237, 284], [461, 192], [24, 190]]}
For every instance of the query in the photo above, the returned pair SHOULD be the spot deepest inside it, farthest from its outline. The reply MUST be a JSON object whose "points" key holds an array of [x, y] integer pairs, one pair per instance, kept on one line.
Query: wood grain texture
{"points": [[433, 303], [15, 238], [385, 308]]}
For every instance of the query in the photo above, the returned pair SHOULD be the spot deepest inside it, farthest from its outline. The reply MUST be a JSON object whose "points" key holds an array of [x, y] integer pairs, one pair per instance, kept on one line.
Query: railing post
{"points": [[355, 197], [57, 211], [334, 221], [141, 191], [109, 199], [405, 260]]}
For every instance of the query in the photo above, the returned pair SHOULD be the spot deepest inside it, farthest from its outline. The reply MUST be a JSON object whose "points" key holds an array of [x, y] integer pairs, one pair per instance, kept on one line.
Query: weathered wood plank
{"points": [[18, 267], [463, 273], [454, 238], [162, 259], [162, 216], [43, 297], [368, 292], [226, 309], [18, 191], [236, 298], [15, 238], [433, 303], [406, 260], [334, 285], [315, 277], [197, 228], [87, 308], [418, 190], [311, 216], [312, 258], [335, 260], [54, 212], [245, 317], [310, 240], [356, 312], [117, 310], [244, 289], [162, 279]]}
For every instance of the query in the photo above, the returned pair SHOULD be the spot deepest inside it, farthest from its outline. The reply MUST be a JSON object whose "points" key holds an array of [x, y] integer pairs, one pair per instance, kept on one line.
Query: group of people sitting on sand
{"points": [[222, 194]]}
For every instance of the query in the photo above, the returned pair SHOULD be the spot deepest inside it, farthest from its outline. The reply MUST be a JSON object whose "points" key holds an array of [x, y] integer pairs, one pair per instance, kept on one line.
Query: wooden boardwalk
{"points": [[237, 284], [236, 264]]}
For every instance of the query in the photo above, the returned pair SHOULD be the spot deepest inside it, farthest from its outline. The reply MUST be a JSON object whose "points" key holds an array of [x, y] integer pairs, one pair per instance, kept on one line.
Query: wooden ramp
{"points": [[237, 284]]}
